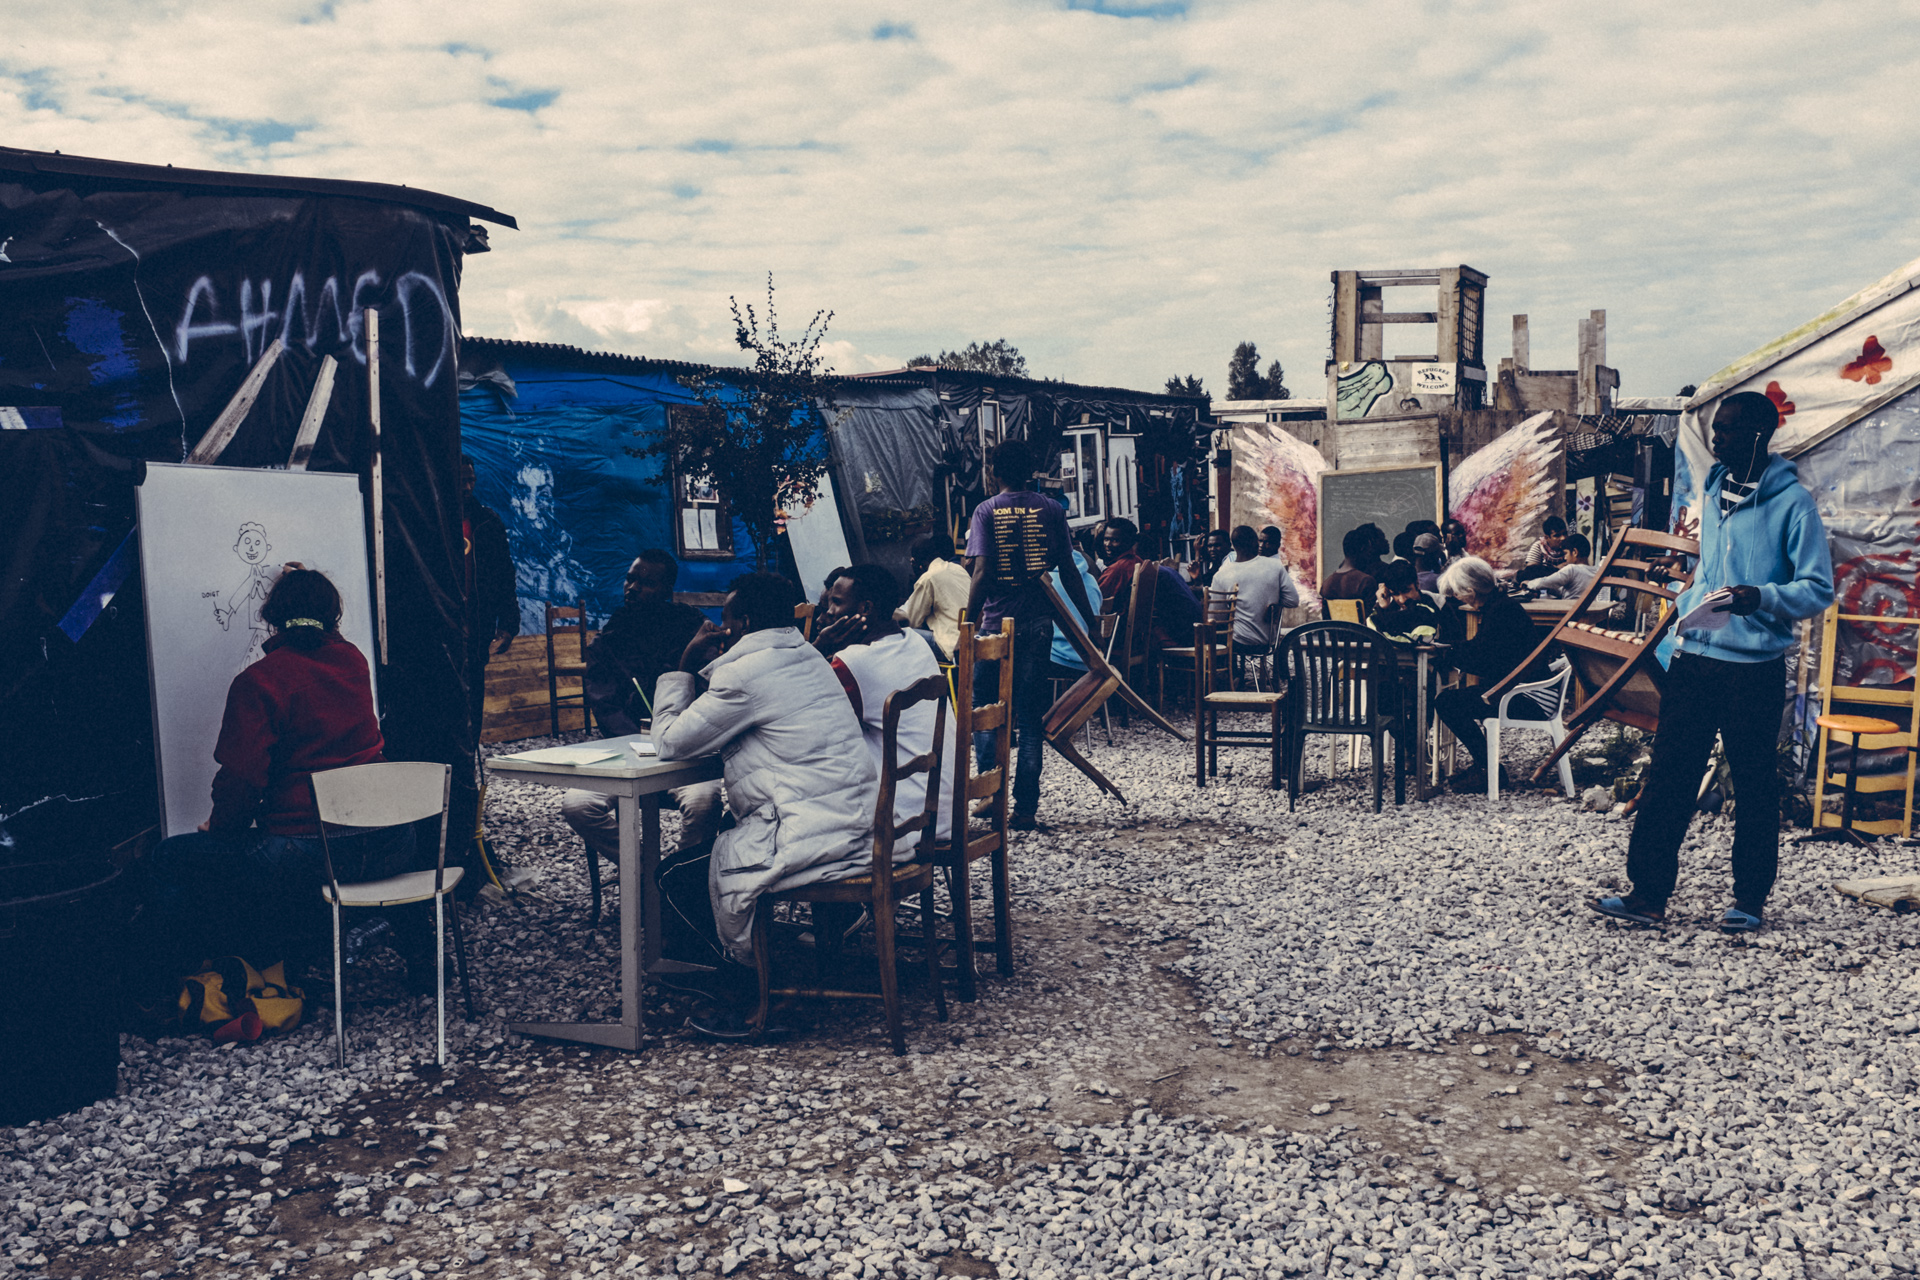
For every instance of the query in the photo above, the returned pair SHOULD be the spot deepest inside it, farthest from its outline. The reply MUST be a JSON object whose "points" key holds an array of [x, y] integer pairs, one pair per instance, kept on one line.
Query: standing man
{"points": [[1015, 539], [1761, 539], [493, 615], [1213, 553], [1357, 576], [641, 642]]}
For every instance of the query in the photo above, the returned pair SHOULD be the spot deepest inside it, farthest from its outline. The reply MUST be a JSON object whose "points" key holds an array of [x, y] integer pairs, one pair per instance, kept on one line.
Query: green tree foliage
{"points": [[1246, 382], [999, 357], [1191, 385], [759, 434]]}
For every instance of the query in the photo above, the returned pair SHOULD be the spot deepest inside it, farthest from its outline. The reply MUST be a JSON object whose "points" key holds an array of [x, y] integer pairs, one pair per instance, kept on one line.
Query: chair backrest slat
{"points": [[1334, 671], [887, 829], [380, 795]]}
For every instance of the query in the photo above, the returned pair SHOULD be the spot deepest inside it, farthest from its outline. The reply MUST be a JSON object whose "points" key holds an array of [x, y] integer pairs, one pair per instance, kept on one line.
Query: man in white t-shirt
{"points": [[875, 659], [1265, 589]]}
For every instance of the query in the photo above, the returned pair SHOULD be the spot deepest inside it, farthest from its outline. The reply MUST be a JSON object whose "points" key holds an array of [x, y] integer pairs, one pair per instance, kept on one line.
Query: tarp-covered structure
{"points": [[134, 299], [1847, 384]]}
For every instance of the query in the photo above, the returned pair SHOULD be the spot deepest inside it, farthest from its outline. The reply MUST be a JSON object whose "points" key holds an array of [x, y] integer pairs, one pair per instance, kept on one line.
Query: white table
{"points": [[635, 783]]}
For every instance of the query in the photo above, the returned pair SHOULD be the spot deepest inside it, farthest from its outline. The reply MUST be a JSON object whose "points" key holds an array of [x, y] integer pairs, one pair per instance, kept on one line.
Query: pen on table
{"points": [[643, 697]]}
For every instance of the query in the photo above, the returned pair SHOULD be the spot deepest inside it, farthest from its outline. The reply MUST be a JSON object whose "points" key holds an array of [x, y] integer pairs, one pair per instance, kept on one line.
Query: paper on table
{"points": [[565, 755], [641, 747], [1710, 614]]}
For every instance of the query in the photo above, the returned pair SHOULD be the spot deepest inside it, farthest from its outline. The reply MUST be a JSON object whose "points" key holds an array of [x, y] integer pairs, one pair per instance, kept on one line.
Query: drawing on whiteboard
{"points": [[251, 591]]}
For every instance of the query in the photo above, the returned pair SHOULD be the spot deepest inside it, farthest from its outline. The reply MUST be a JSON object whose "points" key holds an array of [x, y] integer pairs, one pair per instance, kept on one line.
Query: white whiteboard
{"points": [[212, 541]]}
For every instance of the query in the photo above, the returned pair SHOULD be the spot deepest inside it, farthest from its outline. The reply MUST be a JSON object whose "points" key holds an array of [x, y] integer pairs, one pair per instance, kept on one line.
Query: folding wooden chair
{"points": [[1617, 666], [887, 882], [564, 619]]}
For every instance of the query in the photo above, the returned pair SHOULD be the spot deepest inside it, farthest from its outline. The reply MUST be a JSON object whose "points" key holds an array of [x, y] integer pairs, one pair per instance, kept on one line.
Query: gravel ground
{"points": [[1240, 1042]]}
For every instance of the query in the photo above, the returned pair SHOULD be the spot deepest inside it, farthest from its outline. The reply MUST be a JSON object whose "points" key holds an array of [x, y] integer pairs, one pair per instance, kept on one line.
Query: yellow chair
{"points": [[1877, 702]]}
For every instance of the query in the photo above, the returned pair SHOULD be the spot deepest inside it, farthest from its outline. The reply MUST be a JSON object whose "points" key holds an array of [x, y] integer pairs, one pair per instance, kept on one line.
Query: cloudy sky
{"points": [[1122, 188]]}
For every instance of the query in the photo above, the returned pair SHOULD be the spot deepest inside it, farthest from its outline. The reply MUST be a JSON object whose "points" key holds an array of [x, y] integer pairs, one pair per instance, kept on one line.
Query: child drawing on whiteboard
{"points": [[251, 592]]}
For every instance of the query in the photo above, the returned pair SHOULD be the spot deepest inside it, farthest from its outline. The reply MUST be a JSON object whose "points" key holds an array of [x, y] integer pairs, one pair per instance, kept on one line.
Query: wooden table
{"points": [[635, 782], [1547, 612], [1420, 657]]}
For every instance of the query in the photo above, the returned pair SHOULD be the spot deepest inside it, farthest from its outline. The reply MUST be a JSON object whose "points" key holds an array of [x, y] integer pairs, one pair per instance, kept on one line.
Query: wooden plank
{"points": [[1522, 344], [1902, 893], [1346, 317], [221, 433], [1410, 317], [375, 496], [1447, 320], [516, 695], [316, 413]]}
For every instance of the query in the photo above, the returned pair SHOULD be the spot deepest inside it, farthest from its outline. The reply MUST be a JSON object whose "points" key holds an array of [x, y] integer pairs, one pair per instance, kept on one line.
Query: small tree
{"points": [[1191, 385], [759, 436], [998, 357], [1245, 381], [1243, 374]]}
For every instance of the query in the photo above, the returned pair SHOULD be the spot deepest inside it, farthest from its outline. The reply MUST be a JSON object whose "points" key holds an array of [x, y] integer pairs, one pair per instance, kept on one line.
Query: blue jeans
{"points": [[206, 894], [1032, 655]]}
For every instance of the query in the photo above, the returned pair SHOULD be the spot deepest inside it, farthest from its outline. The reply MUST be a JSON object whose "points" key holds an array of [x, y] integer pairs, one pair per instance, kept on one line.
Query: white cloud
{"points": [[1121, 198]]}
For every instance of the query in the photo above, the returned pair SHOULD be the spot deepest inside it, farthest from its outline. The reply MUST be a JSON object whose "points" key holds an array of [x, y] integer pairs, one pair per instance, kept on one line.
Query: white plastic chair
{"points": [[370, 796], [1550, 695]]}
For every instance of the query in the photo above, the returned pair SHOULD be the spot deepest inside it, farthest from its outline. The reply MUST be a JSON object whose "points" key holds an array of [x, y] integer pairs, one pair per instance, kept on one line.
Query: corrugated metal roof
{"points": [[115, 172], [580, 356], [928, 374]]}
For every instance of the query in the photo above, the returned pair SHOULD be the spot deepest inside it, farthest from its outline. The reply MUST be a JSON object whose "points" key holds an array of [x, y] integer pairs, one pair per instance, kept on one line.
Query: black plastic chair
{"points": [[1341, 679]]}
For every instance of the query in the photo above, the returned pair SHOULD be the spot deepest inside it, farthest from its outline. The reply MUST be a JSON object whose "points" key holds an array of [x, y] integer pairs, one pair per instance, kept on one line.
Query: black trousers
{"points": [[1742, 702], [1462, 710]]}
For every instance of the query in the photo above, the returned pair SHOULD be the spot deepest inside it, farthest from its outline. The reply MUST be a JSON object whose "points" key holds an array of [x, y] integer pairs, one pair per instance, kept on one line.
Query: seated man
{"points": [[1353, 579], [642, 641], [940, 589], [1401, 611], [1119, 548], [1265, 589], [1549, 553], [1571, 578], [799, 780], [875, 659], [1429, 557]]}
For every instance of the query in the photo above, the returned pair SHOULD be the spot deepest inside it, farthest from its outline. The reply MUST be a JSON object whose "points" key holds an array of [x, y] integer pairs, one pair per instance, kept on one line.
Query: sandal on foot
{"points": [[1739, 920], [1629, 909]]}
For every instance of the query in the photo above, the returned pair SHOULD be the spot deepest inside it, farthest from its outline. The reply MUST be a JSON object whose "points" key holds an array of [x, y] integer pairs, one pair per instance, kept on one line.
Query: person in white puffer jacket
{"points": [[800, 782]]}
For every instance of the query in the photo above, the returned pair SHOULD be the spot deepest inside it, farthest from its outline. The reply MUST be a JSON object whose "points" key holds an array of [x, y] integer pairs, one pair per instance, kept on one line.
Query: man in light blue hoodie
{"points": [[1761, 539]]}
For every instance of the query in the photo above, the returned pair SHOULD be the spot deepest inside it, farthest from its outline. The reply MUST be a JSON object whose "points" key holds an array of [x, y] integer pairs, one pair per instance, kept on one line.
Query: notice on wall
{"points": [[1433, 379]]}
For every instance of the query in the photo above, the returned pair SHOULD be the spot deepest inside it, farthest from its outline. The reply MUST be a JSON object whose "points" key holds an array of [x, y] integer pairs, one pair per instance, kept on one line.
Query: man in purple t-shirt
{"points": [[1016, 539]]}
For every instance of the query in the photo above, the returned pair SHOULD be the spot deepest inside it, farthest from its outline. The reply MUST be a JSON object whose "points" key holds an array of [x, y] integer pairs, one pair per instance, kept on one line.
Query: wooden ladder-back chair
{"points": [[1133, 643], [1879, 701], [567, 620], [1216, 610], [1350, 611], [1341, 679], [803, 619], [887, 882], [1209, 702], [1616, 669], [966, 846], [392, 794]]}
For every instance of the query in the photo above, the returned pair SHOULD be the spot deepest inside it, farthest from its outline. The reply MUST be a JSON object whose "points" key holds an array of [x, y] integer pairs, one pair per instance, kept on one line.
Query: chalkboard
{"points": [[1391, 497], [212, 543]]}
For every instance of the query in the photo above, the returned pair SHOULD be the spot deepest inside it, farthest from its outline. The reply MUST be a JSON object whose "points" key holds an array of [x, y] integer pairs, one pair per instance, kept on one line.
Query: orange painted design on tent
{"points": [[1874, 363]]}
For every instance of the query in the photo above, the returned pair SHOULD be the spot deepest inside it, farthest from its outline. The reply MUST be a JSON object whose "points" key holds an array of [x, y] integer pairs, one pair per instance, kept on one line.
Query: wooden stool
{"points": [[1854, 727]]}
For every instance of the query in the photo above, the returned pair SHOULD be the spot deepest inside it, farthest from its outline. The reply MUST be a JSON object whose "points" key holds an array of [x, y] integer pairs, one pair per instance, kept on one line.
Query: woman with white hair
{"points": [[1505, 638]]}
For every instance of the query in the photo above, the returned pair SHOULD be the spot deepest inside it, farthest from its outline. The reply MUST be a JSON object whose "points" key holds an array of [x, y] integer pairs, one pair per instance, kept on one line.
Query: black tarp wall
{"points": [[134, 300]]}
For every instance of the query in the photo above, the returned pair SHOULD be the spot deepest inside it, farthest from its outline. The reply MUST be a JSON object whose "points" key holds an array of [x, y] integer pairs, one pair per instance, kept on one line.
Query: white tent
{"points": [[1848, 387]]}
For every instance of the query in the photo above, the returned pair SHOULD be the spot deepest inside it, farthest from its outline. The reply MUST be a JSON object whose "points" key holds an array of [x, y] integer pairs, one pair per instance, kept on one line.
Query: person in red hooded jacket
{"points": [[255, 866]]}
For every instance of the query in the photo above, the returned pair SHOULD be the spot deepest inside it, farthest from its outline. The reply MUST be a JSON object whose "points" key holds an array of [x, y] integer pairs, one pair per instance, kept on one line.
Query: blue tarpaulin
{"points": [[551, 458]]}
